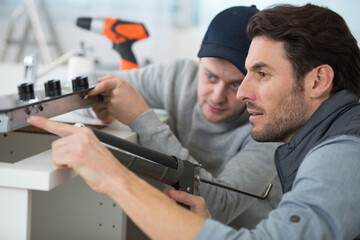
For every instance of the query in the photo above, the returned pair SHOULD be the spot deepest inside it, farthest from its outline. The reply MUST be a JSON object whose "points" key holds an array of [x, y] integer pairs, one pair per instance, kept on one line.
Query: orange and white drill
{"points": [[122, 33]]}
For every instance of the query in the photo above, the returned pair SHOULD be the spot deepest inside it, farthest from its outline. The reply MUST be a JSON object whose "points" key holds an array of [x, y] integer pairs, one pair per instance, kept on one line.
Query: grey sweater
{"points": [[226, 150]]}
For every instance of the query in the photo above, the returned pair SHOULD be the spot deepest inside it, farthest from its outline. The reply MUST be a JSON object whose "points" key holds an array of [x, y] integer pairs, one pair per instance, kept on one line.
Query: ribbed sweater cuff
{"points": [[145, 123]]}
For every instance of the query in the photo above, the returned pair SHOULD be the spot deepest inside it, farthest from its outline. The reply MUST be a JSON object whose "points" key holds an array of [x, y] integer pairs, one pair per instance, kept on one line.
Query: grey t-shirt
{"points": [[226, 150]]}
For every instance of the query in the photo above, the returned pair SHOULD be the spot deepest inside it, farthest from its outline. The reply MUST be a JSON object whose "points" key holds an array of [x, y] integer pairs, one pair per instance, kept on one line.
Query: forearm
{"points": [[151, 210], [154, 134]]}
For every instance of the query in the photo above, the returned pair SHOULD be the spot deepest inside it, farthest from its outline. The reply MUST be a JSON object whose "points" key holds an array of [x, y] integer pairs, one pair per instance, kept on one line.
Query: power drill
{"points": [[122, 33]]}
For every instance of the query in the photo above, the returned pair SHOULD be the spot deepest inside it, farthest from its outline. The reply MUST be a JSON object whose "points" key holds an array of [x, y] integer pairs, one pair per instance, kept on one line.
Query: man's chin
{"points": [[266, 136], [214, 119], [258, 134]]}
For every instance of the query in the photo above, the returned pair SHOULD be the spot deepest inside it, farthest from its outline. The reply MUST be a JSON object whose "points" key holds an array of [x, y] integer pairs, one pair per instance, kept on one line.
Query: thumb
{"points": [[104, 78], [181, 196], [197, 204], [106, 84]]}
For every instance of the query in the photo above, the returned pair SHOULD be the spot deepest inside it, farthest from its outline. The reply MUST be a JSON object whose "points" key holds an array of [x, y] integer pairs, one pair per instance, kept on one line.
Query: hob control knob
{"points": [[80, 83], [53, 88], [26, 91]]}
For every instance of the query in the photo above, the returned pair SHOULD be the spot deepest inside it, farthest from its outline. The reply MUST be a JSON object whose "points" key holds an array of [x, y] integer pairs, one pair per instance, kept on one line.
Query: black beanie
{"points": [[226, 36]]}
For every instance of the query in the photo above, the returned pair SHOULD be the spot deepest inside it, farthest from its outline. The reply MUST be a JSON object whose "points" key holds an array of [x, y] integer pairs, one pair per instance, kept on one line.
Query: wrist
{"points": [[146, 122]]}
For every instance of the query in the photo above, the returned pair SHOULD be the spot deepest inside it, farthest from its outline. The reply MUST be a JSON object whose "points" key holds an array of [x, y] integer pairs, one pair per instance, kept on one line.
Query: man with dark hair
{"points": [[298, 90]]}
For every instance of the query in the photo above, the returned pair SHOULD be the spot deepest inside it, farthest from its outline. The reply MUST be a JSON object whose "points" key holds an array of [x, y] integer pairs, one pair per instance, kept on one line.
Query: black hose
{"points": [[136, 149]]}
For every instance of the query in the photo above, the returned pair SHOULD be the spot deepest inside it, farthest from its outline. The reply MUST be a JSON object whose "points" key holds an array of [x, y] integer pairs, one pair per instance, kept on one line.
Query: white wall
{"points": [[176, 27]]}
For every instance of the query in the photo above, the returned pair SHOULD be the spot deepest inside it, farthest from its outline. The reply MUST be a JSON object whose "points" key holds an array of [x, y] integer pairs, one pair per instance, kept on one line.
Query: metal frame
{"points": [[15, 118]]}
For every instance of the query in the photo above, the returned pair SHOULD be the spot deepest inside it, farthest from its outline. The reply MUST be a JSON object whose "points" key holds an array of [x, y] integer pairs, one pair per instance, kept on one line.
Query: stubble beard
{"points": [[293, 117]]}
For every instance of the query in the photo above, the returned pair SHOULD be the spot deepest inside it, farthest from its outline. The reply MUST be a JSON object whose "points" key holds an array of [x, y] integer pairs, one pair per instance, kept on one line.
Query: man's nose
{"points": [[243, 93], [218, 94]]}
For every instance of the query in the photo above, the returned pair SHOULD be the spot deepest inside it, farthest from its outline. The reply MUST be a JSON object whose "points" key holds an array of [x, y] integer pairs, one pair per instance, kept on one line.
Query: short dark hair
{"points": [[312, 36]]}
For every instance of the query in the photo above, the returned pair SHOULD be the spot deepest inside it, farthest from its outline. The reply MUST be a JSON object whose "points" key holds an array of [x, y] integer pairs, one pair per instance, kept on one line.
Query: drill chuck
{"points": [[92, 24], [84, 23]]}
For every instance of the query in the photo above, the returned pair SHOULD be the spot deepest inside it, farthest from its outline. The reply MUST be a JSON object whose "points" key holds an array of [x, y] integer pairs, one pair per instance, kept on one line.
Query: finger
{"points": [[104, 86], [182, 197], [100, 110], [101, 88], [104, 116], [166, 192], [65, 144], [61, 166], [106, 77], [58, 153], [57, 128], [107, 99], [99, 106], [103, 113], [64, 149], [197, 204]]}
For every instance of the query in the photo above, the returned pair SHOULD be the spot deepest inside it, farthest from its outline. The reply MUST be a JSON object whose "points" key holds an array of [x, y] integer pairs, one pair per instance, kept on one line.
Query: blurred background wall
{"points": [[176, 27]]}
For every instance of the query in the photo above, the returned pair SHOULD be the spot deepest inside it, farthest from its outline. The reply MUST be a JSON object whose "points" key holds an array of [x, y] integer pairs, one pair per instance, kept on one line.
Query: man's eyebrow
{"points": [[210, 72], [259, 65], [215, 76], [237, 80]]}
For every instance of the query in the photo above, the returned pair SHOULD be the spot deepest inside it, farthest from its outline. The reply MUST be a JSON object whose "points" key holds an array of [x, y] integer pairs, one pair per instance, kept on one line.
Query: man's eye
{"points": [[210, 77], [261, 75], [235, 85]]}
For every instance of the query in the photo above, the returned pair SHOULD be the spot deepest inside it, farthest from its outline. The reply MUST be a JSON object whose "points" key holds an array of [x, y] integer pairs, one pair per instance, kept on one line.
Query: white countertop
{"points": [[38, 172]]}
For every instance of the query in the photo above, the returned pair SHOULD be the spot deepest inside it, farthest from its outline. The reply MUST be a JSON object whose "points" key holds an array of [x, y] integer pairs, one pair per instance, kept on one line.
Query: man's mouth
{"points": [[254, 114], [215, 109]]}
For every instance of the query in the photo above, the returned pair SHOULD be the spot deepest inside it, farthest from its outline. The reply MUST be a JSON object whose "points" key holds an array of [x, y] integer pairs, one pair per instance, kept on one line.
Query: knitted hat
{"points": [[226, 36]]}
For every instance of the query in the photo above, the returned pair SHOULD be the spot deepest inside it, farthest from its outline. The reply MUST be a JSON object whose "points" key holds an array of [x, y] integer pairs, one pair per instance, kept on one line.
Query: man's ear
{"points": [[322, 81]]}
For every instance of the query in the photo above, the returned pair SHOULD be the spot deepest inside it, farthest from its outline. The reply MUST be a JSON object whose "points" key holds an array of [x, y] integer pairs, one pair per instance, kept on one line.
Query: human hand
{"points": [[196, 203], [80, 150], [121, 100], [100, 109]]}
